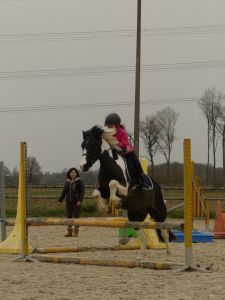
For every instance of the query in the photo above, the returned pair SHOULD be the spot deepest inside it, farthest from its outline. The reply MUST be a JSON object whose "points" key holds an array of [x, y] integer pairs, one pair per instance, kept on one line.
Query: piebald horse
{"points": [[114, 184]]}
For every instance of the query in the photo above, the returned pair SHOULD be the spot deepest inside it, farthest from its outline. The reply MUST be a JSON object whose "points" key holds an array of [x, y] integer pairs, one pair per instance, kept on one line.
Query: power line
{"points": [[110, 34], [84, 106], [113, 70]]}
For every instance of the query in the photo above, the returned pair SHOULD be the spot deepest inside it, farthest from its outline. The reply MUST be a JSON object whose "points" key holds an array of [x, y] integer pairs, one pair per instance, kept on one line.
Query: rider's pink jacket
{"points": [[122, 137]]}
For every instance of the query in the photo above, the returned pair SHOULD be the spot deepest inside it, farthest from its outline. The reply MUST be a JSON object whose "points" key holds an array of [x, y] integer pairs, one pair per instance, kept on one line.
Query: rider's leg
{"points": [[132, 168], [139, 173]]}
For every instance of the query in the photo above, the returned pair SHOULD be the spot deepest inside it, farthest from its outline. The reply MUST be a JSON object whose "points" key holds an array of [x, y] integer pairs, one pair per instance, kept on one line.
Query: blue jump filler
{"points": [[197, 236]]}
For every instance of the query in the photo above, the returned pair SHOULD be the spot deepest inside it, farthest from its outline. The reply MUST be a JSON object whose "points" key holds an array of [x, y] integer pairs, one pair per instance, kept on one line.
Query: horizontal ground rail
{"points": [[103, 223]]}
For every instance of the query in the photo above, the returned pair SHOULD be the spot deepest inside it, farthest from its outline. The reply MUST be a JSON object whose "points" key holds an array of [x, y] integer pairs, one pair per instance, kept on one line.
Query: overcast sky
{"points": [[54, 136]]}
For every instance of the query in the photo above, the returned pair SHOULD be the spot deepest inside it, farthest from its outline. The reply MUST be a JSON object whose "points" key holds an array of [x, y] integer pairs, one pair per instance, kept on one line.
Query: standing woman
{"points": [[74, 192]]}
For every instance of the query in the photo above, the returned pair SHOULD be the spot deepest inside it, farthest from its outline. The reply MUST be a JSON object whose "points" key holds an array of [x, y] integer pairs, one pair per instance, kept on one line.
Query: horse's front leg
{"points": [[101, 202], [116, 189]]}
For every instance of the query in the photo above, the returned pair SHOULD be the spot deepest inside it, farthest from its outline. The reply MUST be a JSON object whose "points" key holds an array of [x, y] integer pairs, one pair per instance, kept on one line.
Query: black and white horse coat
{"points": [[114, 189]]}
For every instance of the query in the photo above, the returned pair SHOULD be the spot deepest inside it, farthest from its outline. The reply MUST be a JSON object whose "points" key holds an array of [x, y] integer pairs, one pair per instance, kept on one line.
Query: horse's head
{"points": [[93, 145]]}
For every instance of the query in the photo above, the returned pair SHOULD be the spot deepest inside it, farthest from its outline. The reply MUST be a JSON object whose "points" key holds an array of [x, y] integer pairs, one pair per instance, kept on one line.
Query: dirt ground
{"points": [[20, 280]]}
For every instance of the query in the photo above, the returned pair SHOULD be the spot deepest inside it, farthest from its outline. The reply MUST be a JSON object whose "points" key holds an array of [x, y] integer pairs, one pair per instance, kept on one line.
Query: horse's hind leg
{"points": [[143, 244], [101, 202], [165, 235]]}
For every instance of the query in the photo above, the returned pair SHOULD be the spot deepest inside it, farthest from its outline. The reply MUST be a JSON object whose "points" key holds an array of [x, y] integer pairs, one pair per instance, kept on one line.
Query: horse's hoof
{"points": [[104, 212], [114, 203], [138, 258], [124, 241]]}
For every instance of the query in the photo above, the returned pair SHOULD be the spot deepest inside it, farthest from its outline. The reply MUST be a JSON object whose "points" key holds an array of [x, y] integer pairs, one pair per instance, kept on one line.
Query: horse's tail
{"points": [[159, 202], [172, 236], [161, 213]]}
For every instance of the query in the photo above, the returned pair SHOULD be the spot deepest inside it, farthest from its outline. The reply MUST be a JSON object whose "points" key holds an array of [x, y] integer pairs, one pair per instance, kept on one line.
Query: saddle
{"points": [[131, 173]]}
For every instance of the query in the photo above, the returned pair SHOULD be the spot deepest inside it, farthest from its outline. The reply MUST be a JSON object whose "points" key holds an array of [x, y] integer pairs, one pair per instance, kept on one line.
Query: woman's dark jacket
{"points": [[71, 194]]}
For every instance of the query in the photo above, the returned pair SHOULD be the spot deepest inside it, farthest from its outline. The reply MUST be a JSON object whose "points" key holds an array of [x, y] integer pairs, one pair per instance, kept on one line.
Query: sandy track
{"points": [[62, 281]]}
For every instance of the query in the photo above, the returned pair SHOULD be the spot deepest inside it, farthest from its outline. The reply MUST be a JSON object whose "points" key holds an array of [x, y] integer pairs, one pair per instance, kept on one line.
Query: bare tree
{"points": [[6, 170], [221, 131], [166, 119], [34, 174], [211, 108], [150, 136], [216, 114], [15, 176], [34, 170], [15, 171], [205, 105]]}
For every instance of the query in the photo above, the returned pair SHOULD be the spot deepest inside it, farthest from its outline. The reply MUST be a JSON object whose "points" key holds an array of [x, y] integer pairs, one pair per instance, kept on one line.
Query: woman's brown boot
{"points": [[76, 231], [69, 232]]}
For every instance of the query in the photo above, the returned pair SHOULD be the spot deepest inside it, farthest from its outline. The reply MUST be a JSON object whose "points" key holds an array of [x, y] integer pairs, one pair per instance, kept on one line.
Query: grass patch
{"points": [[179, 214], [49, 208], [176, 214], [44, 207]]}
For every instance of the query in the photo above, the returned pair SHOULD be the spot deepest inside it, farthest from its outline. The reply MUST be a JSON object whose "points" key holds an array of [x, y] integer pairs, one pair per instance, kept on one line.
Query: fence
{"points": [[170, 193]]}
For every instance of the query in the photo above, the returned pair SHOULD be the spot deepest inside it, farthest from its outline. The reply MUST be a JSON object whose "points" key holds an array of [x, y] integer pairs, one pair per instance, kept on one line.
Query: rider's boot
{"points": [[144, 185], [145, 188]]}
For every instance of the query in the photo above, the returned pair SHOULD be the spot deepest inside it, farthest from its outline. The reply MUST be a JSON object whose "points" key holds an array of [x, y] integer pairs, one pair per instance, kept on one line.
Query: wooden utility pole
{"points": [[137, 81]]}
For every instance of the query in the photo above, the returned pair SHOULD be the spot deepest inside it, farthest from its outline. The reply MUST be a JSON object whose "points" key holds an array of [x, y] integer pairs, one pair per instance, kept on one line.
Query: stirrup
{"points": [[145, 188]]}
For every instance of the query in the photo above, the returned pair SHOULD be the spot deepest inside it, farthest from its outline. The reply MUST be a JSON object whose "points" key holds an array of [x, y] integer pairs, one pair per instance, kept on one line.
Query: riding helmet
{"points": [[112, 118]]}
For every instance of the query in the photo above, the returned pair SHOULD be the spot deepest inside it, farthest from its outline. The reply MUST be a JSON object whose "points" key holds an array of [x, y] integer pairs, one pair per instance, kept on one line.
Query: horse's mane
{"points": [[105, 132], [108, 135]]}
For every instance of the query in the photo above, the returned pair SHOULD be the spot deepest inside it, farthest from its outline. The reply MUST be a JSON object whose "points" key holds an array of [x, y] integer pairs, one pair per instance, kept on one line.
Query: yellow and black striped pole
{"points": [[188, 209], [23, 226], [22, 189]]}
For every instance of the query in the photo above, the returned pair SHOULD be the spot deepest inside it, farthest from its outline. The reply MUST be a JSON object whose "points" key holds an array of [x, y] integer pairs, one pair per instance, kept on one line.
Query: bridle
{"points": [[91, 161], [98, 156]]}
